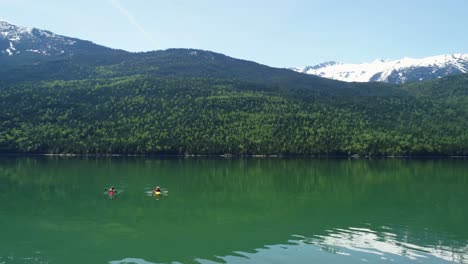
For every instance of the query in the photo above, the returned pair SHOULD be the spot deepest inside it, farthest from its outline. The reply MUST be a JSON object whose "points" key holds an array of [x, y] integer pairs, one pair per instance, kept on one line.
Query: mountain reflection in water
{"points": [[233, 211], [351, 245]]}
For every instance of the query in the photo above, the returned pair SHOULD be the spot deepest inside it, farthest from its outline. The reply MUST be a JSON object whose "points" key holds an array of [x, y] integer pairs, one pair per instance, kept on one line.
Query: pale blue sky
{"points": [[274, 32]]}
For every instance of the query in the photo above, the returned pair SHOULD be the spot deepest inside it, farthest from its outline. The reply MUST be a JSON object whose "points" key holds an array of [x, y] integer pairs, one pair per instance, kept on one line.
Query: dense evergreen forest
{"points": [[196, 102]]}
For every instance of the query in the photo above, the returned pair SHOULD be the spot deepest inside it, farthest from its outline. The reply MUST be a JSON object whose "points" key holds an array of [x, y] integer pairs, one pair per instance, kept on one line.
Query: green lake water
{"points": [[54, 210]]}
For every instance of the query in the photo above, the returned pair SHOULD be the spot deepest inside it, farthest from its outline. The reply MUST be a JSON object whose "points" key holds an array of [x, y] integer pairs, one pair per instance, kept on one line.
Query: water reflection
{"points": [[131, 260], [34, 258], [386, 244], [351, 245], [224, 210]]}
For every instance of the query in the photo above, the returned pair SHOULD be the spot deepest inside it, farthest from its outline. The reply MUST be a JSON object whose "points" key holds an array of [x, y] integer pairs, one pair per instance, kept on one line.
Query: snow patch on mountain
{"points": [[14, 39], [397, 71]]}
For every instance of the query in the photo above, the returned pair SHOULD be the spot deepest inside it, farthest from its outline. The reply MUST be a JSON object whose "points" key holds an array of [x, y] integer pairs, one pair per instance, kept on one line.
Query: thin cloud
{"points": [[118, 5]]}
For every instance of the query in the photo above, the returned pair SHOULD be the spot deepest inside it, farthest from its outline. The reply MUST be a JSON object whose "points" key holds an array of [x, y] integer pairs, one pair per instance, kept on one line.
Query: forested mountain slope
{"points": [[147, 115], [78, 97]]}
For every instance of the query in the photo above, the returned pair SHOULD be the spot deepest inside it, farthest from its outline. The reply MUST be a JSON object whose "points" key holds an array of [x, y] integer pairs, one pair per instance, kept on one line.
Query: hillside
{"points": [[65, 58], [164, 63], [142, 115], [185, 101]]}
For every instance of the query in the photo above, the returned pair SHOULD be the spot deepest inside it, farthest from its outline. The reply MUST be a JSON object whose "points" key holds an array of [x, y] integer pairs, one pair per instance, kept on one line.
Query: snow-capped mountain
{"points": [[33, 42], [397, 71]]}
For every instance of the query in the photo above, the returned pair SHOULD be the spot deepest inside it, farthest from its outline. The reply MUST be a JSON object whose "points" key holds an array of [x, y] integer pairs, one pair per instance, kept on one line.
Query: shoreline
{"points": [[261, 156]]}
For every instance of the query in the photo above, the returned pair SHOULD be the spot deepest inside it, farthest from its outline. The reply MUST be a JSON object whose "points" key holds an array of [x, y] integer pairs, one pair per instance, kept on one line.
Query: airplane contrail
{"points": [[118, 5]]}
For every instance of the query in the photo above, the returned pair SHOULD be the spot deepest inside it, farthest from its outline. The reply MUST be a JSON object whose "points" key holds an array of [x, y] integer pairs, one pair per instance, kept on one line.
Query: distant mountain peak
{"points": [[32, 42], [325, 64], [14, 40], [6, 28], [315, 67], [392, 71]]}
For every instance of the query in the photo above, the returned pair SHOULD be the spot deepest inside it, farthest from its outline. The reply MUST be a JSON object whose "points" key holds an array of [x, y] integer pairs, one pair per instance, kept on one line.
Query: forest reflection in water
{"points": [[234, 210]]}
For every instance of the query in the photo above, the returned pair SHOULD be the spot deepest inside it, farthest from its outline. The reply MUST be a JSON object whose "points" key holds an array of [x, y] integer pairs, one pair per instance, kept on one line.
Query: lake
{"points": [[56, 210]]}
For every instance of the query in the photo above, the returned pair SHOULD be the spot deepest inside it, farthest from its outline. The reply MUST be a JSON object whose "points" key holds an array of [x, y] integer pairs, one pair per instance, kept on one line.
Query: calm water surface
{"points": [[53, 210]]}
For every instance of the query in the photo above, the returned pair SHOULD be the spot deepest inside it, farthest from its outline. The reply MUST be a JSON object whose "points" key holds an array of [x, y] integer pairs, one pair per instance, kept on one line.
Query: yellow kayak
{"points": [[157, 193]]}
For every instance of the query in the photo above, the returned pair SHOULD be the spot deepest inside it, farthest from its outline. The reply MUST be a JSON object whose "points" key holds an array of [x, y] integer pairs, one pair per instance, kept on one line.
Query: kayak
{"points": [[110, 195], [157, 193]]}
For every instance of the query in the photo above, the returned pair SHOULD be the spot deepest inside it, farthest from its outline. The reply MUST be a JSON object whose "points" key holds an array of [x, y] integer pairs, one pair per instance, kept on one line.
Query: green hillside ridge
{"points": [[84, 98], [248, 114], [163, 63]]}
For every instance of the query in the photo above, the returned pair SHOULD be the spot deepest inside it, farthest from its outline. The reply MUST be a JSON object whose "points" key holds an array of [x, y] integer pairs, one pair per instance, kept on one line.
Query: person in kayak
{"points": [[112, 191], [157, 190]]}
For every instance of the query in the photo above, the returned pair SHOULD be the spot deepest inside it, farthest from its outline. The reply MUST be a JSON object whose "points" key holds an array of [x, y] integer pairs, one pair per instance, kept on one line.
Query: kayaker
{"points": [[157, 190], [112, 191]]}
